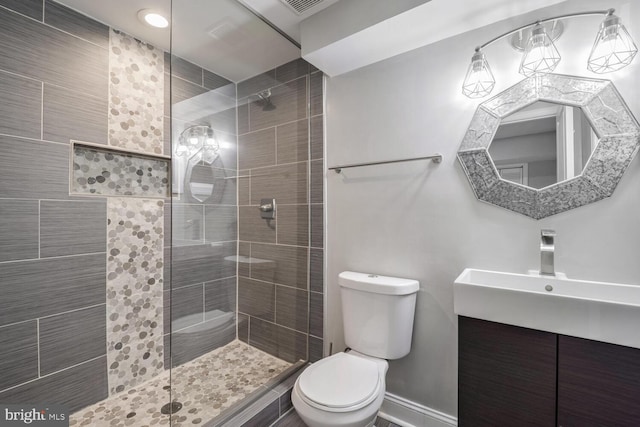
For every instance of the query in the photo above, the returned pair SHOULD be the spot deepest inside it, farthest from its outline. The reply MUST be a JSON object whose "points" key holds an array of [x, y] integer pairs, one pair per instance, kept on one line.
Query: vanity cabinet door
{"points": [[506, 375], [598, 384]]}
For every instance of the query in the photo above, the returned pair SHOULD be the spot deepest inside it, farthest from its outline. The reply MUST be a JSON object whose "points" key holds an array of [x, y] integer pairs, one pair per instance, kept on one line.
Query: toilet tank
{"points": [[378, 313]]}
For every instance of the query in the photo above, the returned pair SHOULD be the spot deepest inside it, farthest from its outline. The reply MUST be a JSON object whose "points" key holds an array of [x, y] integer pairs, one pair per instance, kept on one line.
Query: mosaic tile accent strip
{"points": [[614, 123], [205, 387], [136, 94], [135, 263], [105, 172]]}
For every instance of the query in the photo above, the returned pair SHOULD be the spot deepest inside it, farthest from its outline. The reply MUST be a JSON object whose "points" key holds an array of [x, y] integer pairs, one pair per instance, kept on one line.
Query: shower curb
{"points": [[267, 409]]}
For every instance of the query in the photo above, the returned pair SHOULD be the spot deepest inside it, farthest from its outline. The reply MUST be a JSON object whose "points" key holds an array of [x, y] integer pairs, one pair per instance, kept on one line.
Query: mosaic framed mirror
{"points": [[549, 144]]}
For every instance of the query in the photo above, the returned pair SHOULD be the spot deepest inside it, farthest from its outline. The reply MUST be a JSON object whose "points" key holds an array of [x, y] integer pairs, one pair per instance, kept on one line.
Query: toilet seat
{"points": [[340, 383]]}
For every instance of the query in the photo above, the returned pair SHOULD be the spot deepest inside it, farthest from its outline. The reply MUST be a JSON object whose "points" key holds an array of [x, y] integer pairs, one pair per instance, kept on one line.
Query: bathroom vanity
{"points": [[513, 376], [530, 356]]}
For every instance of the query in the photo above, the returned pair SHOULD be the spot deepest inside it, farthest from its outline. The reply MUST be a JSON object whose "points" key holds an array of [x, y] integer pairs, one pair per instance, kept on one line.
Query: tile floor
{"points": [[204, 387]]}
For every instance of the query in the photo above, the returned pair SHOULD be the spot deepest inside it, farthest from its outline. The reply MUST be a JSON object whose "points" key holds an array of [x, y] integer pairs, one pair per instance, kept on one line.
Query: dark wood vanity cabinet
{"points": [[514, 377], [598, 384], [506, 375]]}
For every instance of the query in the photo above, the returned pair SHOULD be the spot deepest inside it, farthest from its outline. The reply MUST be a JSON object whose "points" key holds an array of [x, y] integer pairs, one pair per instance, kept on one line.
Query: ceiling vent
{"points": [[301, 6]]}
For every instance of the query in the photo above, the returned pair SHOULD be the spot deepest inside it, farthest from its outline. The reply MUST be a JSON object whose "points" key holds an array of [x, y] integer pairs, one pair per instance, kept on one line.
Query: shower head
{"points": [[265, 100]]}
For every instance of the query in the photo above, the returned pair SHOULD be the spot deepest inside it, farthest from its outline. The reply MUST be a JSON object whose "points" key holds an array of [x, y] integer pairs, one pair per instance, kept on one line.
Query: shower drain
{"points": [[171, 408]]}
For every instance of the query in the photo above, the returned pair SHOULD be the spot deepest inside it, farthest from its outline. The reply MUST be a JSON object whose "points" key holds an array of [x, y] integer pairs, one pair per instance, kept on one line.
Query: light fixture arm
{"points": [[542, 21]]}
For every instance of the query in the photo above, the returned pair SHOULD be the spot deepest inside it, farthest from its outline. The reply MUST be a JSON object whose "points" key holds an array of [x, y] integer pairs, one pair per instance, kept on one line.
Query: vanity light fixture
{"points": [[479, 81], [153, 18], [612, 50], [540, 55]]}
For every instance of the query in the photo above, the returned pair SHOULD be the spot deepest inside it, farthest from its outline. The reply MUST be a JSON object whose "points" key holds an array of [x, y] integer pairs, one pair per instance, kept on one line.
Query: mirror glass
{"points": [[543, 144], [542, 158]]}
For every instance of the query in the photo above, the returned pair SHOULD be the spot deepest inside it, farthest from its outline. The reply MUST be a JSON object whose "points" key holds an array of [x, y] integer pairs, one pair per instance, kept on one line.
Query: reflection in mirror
{"points": [[543, 144], [206, 183]]}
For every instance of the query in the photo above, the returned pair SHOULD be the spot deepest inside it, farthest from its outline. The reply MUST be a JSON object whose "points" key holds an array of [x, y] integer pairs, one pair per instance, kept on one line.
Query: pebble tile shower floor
{"points": [[205, 387]]}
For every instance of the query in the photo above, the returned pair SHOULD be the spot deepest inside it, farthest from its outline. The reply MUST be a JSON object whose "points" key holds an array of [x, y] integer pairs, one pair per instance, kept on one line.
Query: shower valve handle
{"points": [[267, 208]]}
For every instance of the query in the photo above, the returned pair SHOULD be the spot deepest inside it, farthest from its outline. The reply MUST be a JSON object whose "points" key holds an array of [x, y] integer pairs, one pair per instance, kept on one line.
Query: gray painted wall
{"points": [[422, 221], [542, 174], [524, 148]]}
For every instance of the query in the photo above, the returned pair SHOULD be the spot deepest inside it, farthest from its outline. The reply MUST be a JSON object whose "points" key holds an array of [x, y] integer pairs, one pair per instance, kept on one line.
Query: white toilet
{"points": [[347, 389]]}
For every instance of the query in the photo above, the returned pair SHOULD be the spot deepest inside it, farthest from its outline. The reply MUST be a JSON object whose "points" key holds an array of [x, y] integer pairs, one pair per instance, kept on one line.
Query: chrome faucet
{"points": [[546, 252]]}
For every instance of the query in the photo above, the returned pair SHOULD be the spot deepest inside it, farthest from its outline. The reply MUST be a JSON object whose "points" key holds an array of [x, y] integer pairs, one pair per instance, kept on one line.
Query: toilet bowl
{"points": [[347, 389], [343, 390]]}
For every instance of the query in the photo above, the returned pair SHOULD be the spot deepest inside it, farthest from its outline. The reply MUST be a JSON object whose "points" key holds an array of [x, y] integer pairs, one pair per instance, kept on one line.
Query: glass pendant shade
{"points": [[210, 150], [479, 81], [613, 49], [540, 55]]}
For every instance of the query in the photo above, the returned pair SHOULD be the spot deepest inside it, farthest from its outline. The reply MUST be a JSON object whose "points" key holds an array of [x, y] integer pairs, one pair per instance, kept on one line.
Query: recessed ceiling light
{"points": [[153, 18]]}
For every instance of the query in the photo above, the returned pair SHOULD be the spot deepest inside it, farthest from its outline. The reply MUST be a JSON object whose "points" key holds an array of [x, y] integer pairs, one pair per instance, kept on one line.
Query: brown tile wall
{"points": [[280, 155]]}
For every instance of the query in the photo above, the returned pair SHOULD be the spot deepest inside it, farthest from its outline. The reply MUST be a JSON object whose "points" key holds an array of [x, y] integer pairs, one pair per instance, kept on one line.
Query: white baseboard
{"points": [[406, 413]]}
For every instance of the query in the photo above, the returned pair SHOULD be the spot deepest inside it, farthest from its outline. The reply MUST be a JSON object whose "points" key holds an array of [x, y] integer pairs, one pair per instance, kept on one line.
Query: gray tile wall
{"points": [[280, 154], [45, 53], [53, 86], [75, 388], [200, 279], [21, 101], [316, 209], [19, 238], [72, 228], [18, 353], [69, 114], [60, 335]]}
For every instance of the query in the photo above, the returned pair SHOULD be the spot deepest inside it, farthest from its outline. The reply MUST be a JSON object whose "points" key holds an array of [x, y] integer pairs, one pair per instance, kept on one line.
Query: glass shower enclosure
{"points": [[141, 282]]}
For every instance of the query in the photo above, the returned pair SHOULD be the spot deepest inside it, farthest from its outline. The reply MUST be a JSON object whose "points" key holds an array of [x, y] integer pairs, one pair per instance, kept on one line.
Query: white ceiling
{"points": [[219, 35], [224, 37], [284, 17], [353, 47]]}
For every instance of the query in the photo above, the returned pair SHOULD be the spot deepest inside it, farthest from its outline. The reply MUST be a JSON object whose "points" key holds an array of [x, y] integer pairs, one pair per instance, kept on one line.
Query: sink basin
{"points": [[608, 312]]}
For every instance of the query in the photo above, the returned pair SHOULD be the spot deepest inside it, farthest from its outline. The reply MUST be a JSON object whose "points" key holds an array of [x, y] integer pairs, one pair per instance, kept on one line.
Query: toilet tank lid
{"points": [[377, 284]]}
